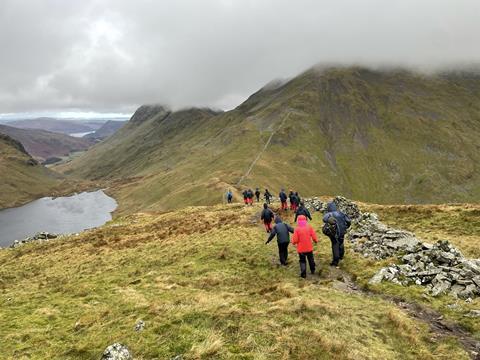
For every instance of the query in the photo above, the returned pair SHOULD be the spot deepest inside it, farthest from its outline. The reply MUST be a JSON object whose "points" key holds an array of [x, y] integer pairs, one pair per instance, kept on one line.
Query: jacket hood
{"points": [[331, 207], [302, 220], [278, 220]]}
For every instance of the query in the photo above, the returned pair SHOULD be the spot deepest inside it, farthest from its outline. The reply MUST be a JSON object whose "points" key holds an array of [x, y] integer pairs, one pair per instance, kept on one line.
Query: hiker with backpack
{"points": [[335, 226], [250, 197], [302, 239], [245, 196], [291, 197], [302, 210], [267, 196], [282, 231], [257, 194], [267, 217], [229, 196], [283, 199]]}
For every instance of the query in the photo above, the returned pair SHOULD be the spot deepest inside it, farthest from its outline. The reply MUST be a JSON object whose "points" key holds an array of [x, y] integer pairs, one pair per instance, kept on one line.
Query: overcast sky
{"points": [[83, 56]]}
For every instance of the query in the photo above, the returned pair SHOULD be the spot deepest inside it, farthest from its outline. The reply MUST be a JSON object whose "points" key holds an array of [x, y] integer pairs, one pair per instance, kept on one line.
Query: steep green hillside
{"points": [[380, 136], [22, 178], [43, 144], [207, 287]]}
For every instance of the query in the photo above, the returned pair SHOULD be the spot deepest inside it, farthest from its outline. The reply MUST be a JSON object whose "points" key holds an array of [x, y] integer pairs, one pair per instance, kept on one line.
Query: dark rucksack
{"points": [[330, 227]]}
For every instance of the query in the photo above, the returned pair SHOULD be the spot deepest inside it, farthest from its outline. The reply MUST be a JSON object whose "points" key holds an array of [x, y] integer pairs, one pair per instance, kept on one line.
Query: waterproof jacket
{"points": [[282, 196], [302, 210], [267, 195], [250, 194], [304, 235], [245, 194], [343, 221], [257, 193], [282, 231], [267, 215]]}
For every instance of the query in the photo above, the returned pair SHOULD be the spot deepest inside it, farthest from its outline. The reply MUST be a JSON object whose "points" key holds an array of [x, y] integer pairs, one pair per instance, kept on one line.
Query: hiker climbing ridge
{"points": [[250, 168]]}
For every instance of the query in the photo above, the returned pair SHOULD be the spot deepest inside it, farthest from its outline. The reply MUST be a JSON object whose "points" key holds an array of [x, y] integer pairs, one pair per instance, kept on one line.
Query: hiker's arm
{"points": [[309, 215], [295, 238], [272, 234], [289, 228], [325, 217]]}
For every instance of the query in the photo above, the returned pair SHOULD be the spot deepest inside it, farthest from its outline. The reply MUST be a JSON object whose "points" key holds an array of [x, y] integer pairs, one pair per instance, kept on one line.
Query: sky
{"points": [[94, 58]]}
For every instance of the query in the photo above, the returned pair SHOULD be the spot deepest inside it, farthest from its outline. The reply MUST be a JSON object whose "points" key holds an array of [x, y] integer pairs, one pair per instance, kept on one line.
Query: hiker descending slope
{"points": [[267, 217], [229, 196], [335, 226], [267, 196], [250, 196], [283, 199], [302, 210], [302, 239], [257, 194], [282, 231], [245, 196]]}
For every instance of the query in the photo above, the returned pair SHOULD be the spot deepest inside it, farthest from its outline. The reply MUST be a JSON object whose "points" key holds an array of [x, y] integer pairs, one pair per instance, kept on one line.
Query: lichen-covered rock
{"points": [[116, 351]]}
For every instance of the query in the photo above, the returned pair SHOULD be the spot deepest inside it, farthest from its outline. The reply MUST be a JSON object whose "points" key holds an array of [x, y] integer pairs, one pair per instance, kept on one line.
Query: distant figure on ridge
{"points": [[302, 239], [335, 227], [245, 196], [282, 231], [302, 210], [267, 196], [257, 194], [283, 199], [267, 217], [229, 196], [250, 196]]}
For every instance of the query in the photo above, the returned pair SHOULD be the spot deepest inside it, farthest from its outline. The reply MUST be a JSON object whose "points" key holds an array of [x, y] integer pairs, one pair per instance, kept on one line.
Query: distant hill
{"points": [[22, 178], [43, 144], [106, 130], [57, 125], [380, 136]]}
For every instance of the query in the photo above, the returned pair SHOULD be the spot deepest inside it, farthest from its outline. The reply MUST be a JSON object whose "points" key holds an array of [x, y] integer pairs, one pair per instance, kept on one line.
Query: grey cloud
{"points": [[114, 55]]}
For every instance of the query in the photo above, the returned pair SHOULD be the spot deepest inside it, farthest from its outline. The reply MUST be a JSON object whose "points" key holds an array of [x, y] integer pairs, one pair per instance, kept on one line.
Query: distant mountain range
{"points": [[58, 125], [107, 129], [380, 136]]}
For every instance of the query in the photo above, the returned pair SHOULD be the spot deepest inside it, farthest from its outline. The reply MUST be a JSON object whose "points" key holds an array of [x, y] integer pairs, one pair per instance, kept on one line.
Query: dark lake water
{"points": [[61, 215]]}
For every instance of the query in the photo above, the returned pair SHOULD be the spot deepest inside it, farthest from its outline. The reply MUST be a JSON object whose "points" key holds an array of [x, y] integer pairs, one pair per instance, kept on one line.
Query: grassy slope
{"points": [[206, 286], [386, 137], [43, 144], [20, 181]]}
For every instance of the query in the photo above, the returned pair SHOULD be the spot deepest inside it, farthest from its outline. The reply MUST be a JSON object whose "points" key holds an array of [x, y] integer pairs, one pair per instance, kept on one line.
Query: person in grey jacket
{"points": [[282, 231], [342, 222]]}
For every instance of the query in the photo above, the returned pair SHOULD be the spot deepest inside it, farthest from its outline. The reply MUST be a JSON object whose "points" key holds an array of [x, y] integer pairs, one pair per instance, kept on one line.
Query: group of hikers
{"points": [[335, 225]]}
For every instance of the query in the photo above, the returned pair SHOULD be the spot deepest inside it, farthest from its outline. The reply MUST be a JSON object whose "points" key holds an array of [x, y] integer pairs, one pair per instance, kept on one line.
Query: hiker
{"points": [[282, 231], [291, 197], [267, 217], [267, 196], [335, 227], [245, 196], [250, 196], [229, 196], [302, 239], [257, 194], [283, 199], [302, 210]]}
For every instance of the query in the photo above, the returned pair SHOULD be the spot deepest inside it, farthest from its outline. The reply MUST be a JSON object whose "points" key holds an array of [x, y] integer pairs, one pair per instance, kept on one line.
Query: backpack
{"points": [[330, 227]]}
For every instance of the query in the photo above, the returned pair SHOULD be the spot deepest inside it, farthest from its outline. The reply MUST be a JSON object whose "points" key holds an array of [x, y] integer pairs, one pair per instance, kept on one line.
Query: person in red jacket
{"points": [[302, 239]]}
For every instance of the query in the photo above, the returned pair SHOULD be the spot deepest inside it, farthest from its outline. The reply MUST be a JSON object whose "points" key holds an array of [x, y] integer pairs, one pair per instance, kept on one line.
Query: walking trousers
{"points": [[283, 252], [338, 249], [303, 263]]}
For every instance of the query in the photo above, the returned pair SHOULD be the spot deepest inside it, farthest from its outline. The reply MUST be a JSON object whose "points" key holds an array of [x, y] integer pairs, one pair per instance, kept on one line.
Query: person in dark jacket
{"points": [[291, 197], [342, 223], [267, 196], [245, 196], [267, 217], [229, 196], [250, 196], [257, 194], [283, 199], [282, 231], [302, 210]]}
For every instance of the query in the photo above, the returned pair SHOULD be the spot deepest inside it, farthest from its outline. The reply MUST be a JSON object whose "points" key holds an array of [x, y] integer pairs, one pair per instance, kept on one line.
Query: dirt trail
{"points": [[259, 155]]}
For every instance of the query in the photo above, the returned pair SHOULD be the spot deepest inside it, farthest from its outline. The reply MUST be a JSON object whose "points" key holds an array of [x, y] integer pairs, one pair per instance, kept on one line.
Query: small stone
{"points": [[140, 325], [116, 351]]}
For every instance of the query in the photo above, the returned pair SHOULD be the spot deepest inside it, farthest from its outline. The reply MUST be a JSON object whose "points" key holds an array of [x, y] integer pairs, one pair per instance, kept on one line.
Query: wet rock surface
{"points": [[41, 236]]}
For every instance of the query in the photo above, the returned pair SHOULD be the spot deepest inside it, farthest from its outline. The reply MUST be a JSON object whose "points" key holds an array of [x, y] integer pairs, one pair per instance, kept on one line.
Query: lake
{"points": [[61, 215]]}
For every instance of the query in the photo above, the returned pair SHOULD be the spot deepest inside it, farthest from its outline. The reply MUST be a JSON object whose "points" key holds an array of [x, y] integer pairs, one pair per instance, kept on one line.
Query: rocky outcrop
{"points": [[41, 236], [440, 268], [117, 351]]}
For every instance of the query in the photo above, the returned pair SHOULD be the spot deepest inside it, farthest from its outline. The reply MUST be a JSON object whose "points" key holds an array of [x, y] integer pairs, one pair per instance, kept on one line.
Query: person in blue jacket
{"points": [[342, 223]]}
